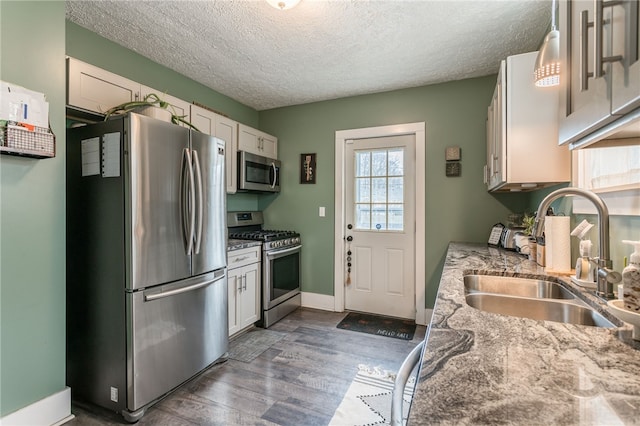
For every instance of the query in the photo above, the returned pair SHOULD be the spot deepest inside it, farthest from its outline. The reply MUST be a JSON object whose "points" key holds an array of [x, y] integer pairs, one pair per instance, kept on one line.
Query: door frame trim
{"points": [[417, 129]]}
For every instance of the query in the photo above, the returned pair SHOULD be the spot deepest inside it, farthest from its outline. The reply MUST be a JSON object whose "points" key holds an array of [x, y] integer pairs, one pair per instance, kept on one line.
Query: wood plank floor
{"points": [[300, 380]]}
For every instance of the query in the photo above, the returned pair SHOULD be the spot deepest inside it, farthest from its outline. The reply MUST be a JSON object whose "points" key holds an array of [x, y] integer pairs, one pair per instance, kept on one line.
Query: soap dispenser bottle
{"points": [[631, 279], [584, 268]]}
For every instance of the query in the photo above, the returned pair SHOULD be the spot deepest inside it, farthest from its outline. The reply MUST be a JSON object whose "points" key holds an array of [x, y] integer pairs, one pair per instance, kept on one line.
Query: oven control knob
{"points": [[287, 241]]}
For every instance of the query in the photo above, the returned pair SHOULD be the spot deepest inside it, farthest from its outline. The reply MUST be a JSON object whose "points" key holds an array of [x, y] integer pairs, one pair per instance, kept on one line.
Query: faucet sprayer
{"points": [[606, 276]]}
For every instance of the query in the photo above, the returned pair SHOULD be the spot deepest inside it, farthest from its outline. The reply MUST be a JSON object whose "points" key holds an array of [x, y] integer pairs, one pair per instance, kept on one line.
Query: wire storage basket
{"points": [[32, 141]]}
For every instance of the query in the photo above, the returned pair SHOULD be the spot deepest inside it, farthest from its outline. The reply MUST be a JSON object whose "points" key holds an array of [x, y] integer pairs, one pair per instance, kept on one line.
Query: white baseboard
{"points": [[318, 301], [52, 410]]}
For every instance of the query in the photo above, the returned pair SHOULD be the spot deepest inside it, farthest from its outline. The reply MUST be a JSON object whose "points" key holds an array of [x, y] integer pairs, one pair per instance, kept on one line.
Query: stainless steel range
{"points": [[280, 264]]}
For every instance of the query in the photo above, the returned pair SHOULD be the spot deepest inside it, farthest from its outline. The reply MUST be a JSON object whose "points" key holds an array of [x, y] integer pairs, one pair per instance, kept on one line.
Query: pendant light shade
{"points": [[547, 71], [283, 4], [547, 68]]}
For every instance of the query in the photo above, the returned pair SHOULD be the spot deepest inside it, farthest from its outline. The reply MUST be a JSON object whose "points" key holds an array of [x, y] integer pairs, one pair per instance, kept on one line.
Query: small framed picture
{"points": [[308, 168]]}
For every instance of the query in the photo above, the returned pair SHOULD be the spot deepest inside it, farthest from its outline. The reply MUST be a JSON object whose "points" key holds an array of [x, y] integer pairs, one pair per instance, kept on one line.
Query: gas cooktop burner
{"points": [[264, 235]]}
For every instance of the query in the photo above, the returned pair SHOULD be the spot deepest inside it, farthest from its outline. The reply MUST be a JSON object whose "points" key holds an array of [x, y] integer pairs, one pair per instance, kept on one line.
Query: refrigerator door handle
{"points": [[162, 295], [188, 206], [200, 202]]}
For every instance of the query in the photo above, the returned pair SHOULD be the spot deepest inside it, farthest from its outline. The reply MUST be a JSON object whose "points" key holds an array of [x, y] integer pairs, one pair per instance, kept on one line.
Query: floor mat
{"points": [[382, 326], [251, 344]]}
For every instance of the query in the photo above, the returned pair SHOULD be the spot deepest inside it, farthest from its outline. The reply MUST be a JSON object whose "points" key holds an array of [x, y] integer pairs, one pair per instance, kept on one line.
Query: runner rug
{"points": [[368, 399], [382, 326]]}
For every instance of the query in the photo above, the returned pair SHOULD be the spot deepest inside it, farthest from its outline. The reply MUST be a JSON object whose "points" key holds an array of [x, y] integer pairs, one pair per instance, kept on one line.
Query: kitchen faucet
{"points": [[606, 275]]}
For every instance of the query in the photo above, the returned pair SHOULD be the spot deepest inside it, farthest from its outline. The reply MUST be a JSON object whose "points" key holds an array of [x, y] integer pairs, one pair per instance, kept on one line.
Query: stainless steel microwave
{"points": [[258, 173]]}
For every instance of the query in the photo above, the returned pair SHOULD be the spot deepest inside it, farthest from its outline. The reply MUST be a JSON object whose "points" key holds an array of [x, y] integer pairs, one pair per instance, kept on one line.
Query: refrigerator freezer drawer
{"points": [[176, 330]]}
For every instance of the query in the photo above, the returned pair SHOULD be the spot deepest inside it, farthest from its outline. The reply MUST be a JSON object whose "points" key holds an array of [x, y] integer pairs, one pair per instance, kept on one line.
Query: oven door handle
{"points": [[282, 252]]}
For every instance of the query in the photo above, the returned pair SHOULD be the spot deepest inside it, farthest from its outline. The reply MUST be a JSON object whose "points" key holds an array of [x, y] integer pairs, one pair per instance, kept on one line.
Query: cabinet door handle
{"points": [[240, 259], [598, 29], [584, 50], [244, 288], [240, 284]]}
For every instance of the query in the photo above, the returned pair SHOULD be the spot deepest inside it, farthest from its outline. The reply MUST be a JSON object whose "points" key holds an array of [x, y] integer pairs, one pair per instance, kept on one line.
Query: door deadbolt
{"points": [[349, 238]]}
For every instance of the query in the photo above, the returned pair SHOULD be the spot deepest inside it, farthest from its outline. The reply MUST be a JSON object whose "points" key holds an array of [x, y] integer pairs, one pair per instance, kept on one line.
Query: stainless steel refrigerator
{"points": [[146, 260]]}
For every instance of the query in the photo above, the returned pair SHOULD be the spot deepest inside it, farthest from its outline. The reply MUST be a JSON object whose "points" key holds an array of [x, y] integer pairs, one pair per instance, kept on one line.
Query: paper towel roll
{"points": [[557, 238]]}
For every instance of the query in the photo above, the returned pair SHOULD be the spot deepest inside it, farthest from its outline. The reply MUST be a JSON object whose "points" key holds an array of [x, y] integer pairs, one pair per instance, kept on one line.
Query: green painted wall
{"points": [[457, 209], [32, 224]]}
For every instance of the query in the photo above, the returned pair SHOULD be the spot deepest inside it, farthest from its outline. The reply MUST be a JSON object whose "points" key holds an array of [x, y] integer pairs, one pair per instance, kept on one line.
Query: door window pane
{"points": [[396, 217], [363, 163], [363, 216], [379, 163], [396, 163], [379, 216], [396, 190], [363, 190], [379, 189]]}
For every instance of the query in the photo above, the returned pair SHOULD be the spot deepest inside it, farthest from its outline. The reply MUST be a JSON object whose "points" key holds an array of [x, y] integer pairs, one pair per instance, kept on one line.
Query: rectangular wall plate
{"points": [[452, 153], [453, 169]]}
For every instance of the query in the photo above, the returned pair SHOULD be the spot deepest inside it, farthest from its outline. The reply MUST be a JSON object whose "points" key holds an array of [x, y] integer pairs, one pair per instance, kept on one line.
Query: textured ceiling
{"points": [[267, 58]]}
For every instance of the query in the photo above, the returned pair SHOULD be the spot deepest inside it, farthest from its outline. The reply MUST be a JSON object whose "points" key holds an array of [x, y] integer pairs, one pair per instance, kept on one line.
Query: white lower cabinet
{"points": [[243, 280]]}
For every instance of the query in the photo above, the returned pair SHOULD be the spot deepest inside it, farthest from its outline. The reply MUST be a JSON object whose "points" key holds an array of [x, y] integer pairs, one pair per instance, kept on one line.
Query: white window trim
{"points": [[620, 200]]}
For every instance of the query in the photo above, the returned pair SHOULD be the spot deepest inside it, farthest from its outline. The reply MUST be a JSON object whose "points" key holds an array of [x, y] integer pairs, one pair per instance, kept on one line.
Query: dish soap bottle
{"points": [[631, 279]]}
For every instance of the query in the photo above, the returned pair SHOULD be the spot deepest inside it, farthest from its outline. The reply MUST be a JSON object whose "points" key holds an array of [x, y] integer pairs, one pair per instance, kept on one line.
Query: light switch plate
{"points": [[452, 153]]}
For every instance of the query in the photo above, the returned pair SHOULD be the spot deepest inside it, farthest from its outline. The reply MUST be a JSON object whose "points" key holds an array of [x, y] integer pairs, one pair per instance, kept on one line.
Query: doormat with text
{"points": [[382, 326]]}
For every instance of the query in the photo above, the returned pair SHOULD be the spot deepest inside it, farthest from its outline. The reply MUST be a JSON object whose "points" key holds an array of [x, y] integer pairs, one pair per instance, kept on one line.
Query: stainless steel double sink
{"points": [[536, 299]]}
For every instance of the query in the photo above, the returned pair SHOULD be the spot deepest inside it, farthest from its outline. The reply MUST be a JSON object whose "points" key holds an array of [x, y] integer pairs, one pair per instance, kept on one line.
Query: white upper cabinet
{"points": [[93, 89], [226, 129], [257, 142], [177, 106], [522, 131], [600, 56]]}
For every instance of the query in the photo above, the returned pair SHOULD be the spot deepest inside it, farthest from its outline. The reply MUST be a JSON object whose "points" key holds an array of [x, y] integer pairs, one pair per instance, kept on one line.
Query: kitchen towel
{"points": [[558, 244]]}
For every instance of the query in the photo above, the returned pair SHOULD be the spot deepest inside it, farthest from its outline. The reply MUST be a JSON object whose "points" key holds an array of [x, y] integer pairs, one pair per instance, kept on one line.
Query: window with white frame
{"points": [[614, 173]]}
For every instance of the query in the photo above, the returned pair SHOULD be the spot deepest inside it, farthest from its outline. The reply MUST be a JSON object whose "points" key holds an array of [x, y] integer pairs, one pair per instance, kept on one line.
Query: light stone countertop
{"points": [[484, 368], [234, 244]]}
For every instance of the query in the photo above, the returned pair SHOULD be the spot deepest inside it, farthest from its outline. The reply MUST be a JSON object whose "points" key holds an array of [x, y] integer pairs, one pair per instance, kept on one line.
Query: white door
{"points": [[380, 221]]}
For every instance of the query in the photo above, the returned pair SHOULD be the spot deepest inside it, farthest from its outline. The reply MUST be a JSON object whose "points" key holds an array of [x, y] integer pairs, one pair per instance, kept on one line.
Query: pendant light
{"points": [[547, 69], [283, 4]]}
